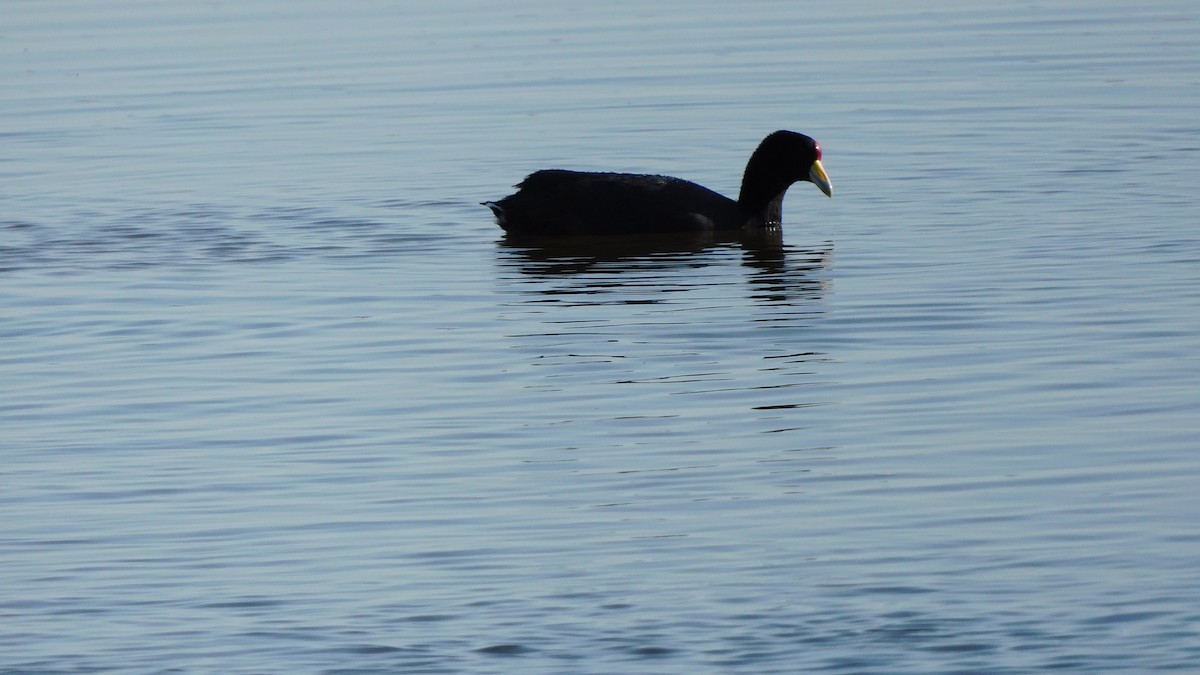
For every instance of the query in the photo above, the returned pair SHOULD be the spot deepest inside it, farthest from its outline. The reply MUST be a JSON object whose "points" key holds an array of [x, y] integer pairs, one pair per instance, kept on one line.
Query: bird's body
{"points": [[561, 202], [555, 201]]}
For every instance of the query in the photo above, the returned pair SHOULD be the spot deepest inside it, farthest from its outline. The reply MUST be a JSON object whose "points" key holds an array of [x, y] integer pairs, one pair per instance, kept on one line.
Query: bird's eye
{"points": [[817, 146]]}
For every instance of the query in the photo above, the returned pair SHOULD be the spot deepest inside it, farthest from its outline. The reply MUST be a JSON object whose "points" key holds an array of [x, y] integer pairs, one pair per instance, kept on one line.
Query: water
{"points": [[278, 396]]}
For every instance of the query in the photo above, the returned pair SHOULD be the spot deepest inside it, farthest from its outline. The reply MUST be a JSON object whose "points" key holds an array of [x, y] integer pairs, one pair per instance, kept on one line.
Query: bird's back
{"points": [[556, 201]]}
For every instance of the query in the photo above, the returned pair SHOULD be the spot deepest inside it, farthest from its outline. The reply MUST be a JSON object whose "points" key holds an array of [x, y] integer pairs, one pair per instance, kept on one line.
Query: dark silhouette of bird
{"points": [[561, 202]]}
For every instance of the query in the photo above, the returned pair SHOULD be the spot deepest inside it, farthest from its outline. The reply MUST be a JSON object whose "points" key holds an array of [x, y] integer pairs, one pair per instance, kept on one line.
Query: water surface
{"points": [[279, 396]]}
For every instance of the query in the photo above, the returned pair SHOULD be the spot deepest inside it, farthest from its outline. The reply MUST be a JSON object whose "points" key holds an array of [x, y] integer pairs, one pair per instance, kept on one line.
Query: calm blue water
{"points": [[278, 397]]}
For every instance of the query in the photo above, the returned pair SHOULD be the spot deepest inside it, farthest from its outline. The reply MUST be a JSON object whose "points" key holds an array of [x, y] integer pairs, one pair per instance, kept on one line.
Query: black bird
{"points": [[560, 202]]}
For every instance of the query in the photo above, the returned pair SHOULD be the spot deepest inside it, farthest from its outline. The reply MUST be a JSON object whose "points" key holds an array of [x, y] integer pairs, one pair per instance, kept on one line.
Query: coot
{"points": [[560, 202]]}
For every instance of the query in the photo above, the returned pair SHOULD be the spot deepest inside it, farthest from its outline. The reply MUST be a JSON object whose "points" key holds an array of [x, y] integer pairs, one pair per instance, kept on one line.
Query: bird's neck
{"points": [[763, 187], [762, 210]]}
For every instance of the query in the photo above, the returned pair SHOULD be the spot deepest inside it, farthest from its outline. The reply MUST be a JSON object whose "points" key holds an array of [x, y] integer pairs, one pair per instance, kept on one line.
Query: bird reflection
{"points": [[778, 273], [555, 256], [721, 326]]}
